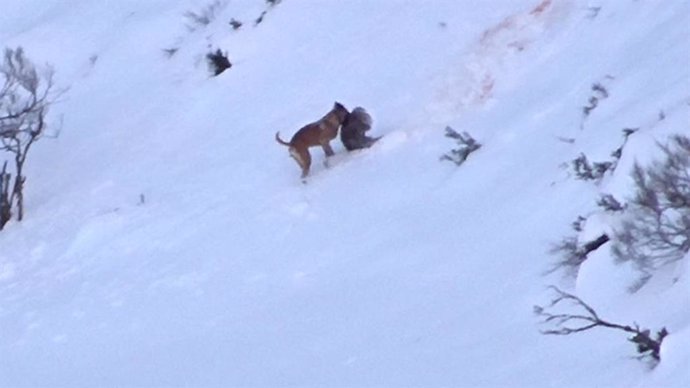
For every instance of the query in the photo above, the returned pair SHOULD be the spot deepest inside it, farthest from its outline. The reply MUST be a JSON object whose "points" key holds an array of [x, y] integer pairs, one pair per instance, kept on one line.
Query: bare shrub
{"points": [[586, 318], [595, 171], [656, 227], [25, 97], [5, 201], [587, 171], [599, 93], [618, 152], [578, 224], [571, 253], [610, 204], [466, 145]]}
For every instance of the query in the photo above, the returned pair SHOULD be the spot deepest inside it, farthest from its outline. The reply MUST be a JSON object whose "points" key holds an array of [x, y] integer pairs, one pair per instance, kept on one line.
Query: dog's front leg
{"points": [[327, 149], [329, 152]]}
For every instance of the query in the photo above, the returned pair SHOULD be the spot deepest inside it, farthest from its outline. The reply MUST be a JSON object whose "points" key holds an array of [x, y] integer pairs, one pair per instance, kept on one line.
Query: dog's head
{"points": [[340, 111]]}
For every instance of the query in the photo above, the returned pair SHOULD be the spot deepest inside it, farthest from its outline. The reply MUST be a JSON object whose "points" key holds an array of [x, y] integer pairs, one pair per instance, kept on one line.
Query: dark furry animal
{"points": [[353, 134], [318, 133]]}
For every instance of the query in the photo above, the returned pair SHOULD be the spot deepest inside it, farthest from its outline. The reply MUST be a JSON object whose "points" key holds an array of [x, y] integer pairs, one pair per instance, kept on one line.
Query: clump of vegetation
{"points": [[202, 18], [589, 171], [235, 24], [572, 252], [656, 224], [595, 171], [586, 318], [171, 51], [466, 145], [599, 93], [610, 204], [26, 95], [271, 4], [218, 62]]}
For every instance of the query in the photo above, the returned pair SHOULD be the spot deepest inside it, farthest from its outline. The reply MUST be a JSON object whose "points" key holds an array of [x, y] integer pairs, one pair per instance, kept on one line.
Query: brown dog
{"points": [[318, 133], [353, 134]]}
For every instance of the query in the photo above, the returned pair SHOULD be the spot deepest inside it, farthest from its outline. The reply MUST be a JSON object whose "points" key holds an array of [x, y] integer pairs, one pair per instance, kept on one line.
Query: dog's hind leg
{"points": [[307, 164], [303, 158]]}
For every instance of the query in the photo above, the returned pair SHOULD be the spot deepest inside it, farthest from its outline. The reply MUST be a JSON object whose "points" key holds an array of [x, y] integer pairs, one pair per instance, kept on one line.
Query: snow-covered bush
{"points": [[656, 227], [25, 96]]}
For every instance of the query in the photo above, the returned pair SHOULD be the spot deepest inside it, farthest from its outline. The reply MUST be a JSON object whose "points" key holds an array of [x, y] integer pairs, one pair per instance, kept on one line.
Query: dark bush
{"points": [[466, 145], [25, 97], [656, 226], [218, 62]]}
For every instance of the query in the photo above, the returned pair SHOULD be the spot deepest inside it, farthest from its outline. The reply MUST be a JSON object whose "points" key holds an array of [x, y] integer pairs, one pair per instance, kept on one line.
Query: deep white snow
{"points": [[168, 240]]}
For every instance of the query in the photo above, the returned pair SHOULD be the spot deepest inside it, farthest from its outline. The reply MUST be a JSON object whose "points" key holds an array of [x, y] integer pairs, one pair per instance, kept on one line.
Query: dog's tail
{"points": [[281, 141]]}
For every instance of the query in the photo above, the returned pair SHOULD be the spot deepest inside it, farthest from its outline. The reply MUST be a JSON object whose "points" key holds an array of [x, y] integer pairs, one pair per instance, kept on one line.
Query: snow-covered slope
{"points": [[169, 241]]}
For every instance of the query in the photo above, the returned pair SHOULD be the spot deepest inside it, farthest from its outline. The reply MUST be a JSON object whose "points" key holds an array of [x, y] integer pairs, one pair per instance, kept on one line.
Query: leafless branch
{"points": [[656, 226], [466, 145], [571, 323], [25, 99]]}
